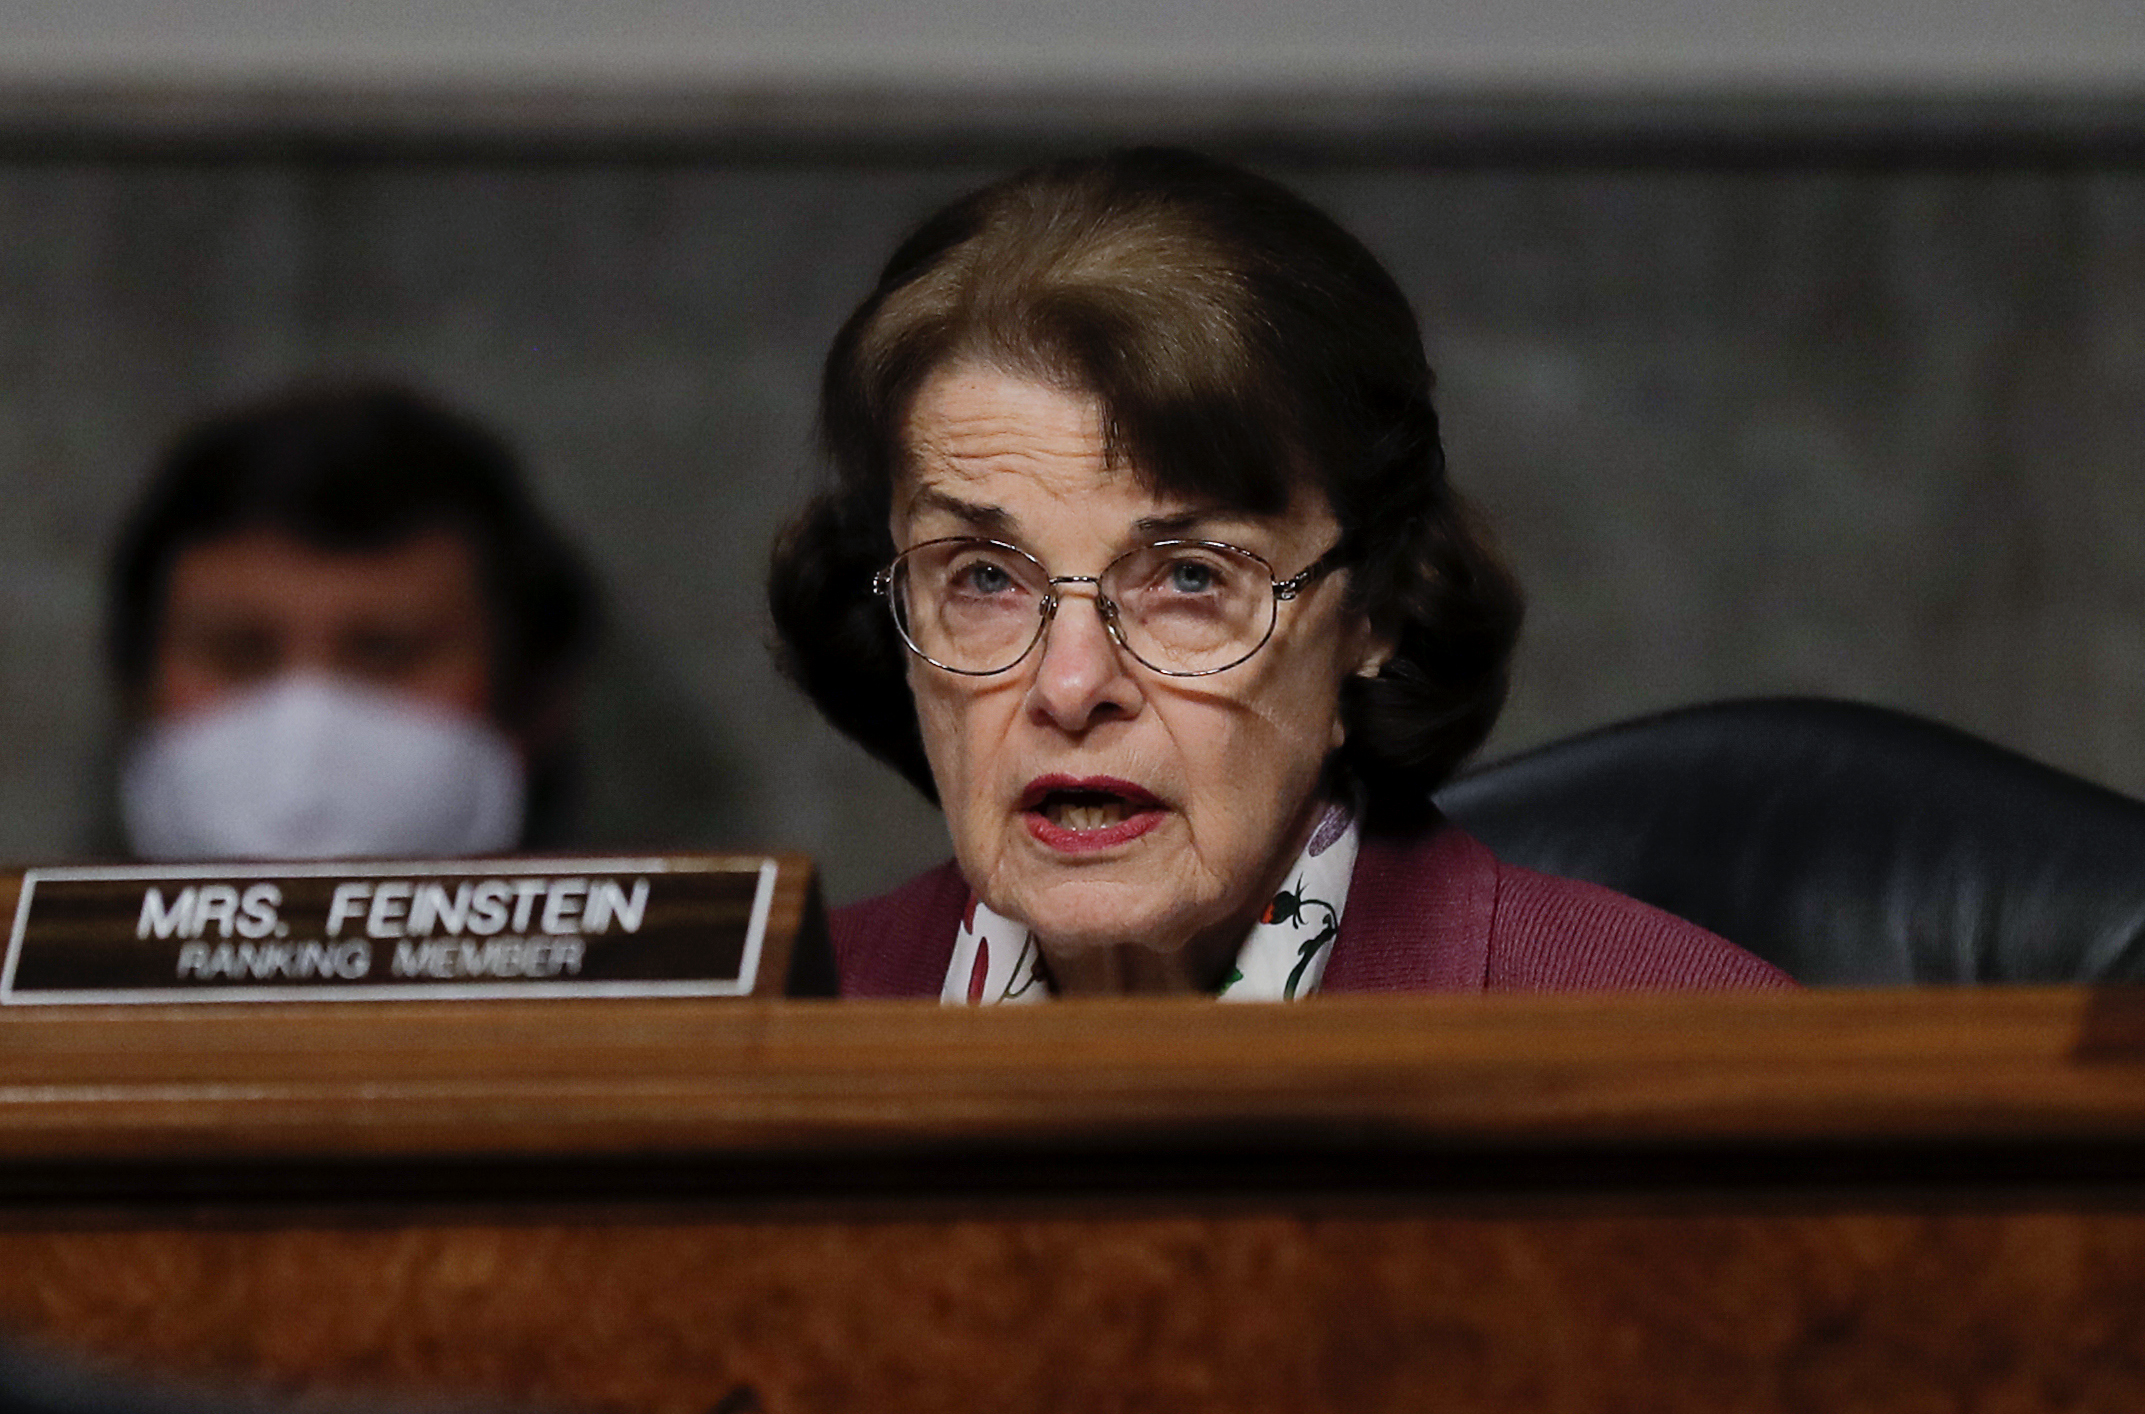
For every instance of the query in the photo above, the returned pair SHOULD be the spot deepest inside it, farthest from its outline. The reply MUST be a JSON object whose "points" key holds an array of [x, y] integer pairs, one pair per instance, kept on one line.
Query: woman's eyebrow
{"points": [[992, 520], [1178, 523], [1196, 523]]}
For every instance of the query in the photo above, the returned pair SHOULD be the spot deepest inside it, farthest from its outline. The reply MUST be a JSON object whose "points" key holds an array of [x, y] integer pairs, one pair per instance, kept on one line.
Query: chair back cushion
{"points": [[1844, 843]]}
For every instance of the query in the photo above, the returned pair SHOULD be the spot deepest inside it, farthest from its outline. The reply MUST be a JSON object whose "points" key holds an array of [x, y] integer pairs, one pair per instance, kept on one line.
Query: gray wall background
{"points": [[1185, 43], [1821, 396]]}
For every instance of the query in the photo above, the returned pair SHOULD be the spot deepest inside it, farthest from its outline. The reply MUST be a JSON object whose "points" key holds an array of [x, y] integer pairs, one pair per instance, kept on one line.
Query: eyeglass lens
{"points": [[1181, 607]]}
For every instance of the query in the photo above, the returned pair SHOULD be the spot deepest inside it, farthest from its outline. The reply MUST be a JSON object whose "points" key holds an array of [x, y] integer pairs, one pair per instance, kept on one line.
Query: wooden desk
{"points": [[1820, 1202]]}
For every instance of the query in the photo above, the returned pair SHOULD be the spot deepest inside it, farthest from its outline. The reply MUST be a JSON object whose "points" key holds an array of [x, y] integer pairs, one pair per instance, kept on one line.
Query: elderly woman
{"points": [[1141, 560]]}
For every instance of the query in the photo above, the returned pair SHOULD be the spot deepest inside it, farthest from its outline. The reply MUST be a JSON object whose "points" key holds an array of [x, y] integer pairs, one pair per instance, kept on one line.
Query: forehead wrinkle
{"points": [[971, 419], [979, 442]]}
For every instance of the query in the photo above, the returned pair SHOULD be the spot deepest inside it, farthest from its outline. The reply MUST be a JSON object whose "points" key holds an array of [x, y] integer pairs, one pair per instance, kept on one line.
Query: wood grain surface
{"points": [[1636, 1310], [1845, 1201], [600, 1077]]}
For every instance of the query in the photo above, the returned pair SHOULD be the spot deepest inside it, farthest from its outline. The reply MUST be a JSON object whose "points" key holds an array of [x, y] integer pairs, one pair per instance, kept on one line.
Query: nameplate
{"points": [[666, 926]]}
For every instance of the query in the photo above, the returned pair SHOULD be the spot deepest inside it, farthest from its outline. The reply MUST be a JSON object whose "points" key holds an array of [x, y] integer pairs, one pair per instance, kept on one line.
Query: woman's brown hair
{"points": [[1243, 349]]}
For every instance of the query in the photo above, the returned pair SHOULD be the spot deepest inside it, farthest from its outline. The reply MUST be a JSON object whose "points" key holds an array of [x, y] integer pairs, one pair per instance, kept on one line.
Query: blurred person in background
{"points": [[340, 626]]}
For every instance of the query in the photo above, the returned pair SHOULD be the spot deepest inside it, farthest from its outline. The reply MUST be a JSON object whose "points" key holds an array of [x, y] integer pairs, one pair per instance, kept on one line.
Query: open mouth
{"points": [[1084, 809], [1068, 813]]}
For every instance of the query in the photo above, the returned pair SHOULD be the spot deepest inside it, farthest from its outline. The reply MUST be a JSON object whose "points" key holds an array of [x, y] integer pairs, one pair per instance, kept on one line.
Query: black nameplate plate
{"points": [[678, 926]]}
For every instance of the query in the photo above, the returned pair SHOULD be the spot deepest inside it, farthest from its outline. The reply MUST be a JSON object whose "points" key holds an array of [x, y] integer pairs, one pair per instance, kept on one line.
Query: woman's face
{"points": [[1137, 822]]}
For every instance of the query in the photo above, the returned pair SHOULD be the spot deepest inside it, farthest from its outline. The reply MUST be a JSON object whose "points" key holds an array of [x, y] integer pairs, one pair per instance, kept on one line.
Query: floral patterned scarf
{"points": [[996, 961]]}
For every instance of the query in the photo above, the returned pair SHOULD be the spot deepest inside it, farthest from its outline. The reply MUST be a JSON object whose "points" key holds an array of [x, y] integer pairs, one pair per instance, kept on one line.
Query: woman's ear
{"points": [[1375, 652], [1371, 651]]}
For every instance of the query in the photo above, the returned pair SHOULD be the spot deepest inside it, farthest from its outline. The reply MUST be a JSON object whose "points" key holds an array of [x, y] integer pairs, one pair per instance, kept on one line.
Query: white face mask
{"points": [[315, 767]]}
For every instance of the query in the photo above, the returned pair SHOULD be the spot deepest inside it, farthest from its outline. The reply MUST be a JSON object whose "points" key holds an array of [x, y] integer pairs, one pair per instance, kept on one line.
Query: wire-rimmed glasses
{"points": [[1185, 608]]}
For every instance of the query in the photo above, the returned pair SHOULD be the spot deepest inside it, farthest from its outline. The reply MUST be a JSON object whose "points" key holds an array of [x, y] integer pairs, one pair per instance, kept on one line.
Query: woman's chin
{"points": [[1149, 893], [1163, 950], [1092, 916]]}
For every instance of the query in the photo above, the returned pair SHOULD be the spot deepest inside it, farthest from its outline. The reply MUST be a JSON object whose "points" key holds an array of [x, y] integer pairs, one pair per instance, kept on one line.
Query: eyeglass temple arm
{"points": [[1289, 588]]}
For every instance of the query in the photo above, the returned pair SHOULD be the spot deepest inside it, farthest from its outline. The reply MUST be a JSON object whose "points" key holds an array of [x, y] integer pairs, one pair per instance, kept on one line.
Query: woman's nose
{"points": [[1083, 679]]}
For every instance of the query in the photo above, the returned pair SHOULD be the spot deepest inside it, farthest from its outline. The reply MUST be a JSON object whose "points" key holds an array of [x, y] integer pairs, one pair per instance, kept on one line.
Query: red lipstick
{"points": [[1081, 814]]}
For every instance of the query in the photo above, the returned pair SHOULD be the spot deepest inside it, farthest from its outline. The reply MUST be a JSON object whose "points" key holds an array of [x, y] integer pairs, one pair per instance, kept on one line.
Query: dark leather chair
{"points": [[1846, 844]]}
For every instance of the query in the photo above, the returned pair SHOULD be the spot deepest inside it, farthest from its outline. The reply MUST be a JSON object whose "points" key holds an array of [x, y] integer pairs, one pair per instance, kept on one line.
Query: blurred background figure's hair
{"points": [[356, 467]]}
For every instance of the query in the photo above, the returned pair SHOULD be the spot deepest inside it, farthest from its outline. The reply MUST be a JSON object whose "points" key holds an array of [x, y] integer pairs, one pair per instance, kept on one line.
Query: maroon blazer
{"points": [[1435, 912]]}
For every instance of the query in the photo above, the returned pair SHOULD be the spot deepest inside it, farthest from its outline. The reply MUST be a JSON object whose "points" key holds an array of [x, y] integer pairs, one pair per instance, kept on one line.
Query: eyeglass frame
{"points": [[1285, 591]]}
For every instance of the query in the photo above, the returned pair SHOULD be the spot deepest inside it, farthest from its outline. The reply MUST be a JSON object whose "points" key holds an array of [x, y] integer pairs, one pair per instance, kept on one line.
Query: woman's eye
{"points": [[1191, 577], [983, 577]]}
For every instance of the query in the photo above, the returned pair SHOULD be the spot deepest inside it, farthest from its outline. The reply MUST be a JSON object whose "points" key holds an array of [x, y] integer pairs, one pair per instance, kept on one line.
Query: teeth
{"points": [[1085, 816]]}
